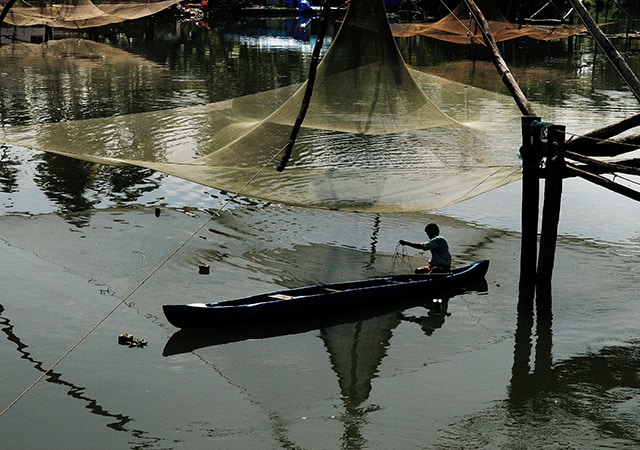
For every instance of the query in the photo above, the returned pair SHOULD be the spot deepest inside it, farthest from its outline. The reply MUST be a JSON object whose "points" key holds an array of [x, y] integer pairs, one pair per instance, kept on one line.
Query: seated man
{"points": [[440, 257]]}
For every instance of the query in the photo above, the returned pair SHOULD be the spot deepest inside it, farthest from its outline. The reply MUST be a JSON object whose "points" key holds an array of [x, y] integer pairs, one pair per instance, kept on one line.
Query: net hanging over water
{"points": [[372, 139], [76, 14], [459, 27]]}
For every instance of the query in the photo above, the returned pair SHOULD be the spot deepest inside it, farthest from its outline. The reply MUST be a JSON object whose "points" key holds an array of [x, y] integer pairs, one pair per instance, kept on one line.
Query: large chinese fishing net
{"points": [[81, 13], [371, 141], [459, 27]]}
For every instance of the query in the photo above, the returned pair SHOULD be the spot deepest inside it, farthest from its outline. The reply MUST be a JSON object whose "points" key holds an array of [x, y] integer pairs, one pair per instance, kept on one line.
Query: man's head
{"points": [[432, 230]]}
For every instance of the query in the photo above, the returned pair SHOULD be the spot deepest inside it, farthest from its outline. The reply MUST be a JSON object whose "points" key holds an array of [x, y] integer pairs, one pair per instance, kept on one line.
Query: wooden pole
{"points": [[306, 100], [602, 133], [5, 10], [531, 157], [550, 218], [503, 70], [604, 182], [607, 47]]}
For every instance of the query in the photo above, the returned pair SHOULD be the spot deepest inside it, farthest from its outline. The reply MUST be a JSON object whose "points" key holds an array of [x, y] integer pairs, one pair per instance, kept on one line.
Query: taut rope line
{"points": [[135, 289]]}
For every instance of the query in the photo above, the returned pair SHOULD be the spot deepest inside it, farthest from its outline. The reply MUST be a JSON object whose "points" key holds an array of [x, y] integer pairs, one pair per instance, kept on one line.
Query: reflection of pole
{"points": [[374, 239], [521, 358], [525, 384]]}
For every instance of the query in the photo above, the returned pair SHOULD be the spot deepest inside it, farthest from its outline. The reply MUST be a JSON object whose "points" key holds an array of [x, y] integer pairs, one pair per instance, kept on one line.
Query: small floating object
{"points": [[125, 339], [157, 212], [128, 339], [204, 269]]}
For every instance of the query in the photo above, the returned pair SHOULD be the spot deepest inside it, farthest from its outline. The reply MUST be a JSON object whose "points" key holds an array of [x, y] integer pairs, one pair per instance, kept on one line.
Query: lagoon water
{"points": [[81, 246]]}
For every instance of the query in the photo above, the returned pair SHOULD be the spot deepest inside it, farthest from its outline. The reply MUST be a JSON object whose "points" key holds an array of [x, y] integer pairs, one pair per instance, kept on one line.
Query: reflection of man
{"points": [[440, 257], [434, 318]]}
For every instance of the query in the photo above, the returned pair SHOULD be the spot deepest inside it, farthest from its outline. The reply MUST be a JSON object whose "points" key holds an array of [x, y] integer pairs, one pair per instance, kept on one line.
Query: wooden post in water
{"points": [[554, 172], [531, 157]]}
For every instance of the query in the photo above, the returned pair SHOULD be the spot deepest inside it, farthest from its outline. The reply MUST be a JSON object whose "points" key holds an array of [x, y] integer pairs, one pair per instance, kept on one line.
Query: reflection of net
{"points": [[459, 28], [80, 13], [372, 140]]}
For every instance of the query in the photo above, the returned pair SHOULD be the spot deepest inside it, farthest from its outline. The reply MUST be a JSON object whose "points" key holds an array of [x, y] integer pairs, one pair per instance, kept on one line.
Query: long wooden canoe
{"points": [[319, 300]]}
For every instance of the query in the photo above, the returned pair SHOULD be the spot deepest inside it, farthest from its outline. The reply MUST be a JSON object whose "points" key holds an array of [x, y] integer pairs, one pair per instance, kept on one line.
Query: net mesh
{"points": [[80, 13], [459, 27], [372, 139]]}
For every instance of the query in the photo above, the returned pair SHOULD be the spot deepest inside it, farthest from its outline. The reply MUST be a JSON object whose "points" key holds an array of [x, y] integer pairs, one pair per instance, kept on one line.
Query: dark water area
{"points": [[81, 245]]}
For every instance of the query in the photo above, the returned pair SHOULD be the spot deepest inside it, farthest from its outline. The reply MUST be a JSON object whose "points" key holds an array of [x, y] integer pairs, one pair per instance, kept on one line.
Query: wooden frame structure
{"points": [[544, 154]]}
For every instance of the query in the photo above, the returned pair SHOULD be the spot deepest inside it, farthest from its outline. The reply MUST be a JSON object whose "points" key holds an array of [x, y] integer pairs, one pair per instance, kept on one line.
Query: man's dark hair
{"points": [[432, 230]]}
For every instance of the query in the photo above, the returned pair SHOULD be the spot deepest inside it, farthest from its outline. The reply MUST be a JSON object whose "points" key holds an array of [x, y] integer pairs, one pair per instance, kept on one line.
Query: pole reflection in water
{"points": [[600, 387], [78, 392]]}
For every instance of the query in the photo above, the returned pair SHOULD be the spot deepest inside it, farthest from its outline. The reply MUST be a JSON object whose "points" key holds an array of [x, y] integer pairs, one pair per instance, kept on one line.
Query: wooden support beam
{"points": [[605, 167], [604, 182], [609, 147]]}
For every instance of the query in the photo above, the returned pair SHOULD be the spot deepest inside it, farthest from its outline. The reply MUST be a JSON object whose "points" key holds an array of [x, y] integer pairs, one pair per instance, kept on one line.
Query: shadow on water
{"points": [[120, 420], [187, 340]]}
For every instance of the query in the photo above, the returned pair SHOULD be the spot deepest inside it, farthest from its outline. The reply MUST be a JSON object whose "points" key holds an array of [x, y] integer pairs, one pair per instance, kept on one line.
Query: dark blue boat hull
{"points": [[321, 300]]}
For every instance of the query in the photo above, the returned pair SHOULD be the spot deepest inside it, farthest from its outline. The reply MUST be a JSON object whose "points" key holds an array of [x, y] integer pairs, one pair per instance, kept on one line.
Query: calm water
{"points": [[77, 239]]}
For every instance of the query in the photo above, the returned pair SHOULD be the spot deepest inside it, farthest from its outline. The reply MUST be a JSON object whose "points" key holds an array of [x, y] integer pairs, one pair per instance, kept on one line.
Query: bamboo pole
{"points": [[609, 147], [5, 10], [604, 167], [306, 100], [503, 70], [607, 47], [604, 182]]}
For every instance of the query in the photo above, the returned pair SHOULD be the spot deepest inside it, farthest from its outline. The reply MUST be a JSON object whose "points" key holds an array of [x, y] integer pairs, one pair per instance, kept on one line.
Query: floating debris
{"points": [[128, 339], [204, 269]]}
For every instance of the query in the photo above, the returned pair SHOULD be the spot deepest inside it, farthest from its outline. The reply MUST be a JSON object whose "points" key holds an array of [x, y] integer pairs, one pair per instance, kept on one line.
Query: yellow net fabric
{"points": [[372, 140], [459, 27], [80, 13]]}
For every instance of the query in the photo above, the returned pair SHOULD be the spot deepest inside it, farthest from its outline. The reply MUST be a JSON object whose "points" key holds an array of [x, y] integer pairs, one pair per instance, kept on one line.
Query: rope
{"points": [[468, 28], [400, 259], [135, 289]]}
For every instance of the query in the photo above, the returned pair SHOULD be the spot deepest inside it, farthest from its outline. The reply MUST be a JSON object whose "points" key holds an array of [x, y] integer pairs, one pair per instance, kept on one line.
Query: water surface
{"points": [[78, 238]]}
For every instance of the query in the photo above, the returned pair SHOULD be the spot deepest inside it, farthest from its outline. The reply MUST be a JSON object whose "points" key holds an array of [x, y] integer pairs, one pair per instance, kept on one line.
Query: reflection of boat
{"points": [[319, 300], [187, 340]]}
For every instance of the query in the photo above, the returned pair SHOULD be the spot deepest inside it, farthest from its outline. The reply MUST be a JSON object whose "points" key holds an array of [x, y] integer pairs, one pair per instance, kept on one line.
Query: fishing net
{"points": [[81, 13], [372, 139], [459, 27]]}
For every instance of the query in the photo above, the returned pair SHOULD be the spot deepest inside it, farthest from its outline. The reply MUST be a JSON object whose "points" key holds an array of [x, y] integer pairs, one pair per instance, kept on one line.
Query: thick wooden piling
{"points": [[531, 157], [554, 172]]}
